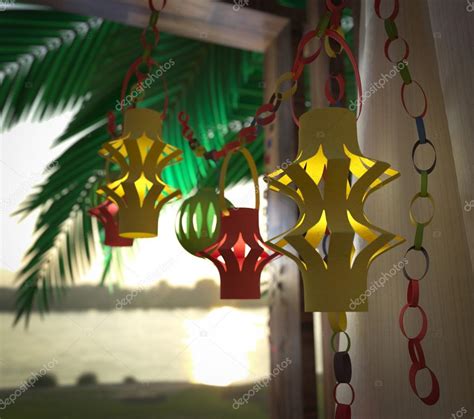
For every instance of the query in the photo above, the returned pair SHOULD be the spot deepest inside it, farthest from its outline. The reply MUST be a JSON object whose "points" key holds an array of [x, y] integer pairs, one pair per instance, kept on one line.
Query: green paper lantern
{"points": [[198, 221]]}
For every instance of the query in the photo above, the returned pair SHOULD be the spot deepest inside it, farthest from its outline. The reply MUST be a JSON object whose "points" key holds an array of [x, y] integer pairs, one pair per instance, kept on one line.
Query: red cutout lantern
{"points": [[107, 214], [240, 254]]}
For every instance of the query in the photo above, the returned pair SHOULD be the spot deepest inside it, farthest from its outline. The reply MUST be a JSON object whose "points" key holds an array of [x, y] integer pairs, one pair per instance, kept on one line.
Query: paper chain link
{"points": [[414, 343]]}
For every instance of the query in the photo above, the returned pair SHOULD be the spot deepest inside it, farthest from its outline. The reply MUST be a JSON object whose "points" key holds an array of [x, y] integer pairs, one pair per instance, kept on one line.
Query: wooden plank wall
{"points": [[204, 20]]}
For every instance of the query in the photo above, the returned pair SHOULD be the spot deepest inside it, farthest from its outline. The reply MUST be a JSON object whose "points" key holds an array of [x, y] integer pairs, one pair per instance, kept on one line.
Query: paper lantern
{"points": [[318, 182], [198, 221], [240, 253], [141, 156], [107, 213]]}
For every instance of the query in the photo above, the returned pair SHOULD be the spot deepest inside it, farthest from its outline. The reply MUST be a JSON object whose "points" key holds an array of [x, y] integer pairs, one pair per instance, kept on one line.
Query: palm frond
{"points": [[46, 61]]}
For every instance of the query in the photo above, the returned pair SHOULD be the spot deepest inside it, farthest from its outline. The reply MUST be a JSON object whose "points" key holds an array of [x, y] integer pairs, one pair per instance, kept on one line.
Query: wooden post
{"points": [[293, 392], [204, 20]]}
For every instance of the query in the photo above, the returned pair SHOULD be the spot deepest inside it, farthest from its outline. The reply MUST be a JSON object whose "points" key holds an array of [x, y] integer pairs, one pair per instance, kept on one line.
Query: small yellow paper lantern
{"points": [[318, 182], [138, 190]]}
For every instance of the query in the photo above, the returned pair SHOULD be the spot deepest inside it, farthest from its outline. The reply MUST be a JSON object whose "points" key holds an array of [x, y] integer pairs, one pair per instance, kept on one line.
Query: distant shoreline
{"points": [[245, 306], [204, 295]]}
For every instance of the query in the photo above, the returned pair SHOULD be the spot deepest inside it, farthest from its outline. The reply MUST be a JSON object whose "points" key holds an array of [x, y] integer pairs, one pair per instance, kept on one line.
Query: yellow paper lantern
{"points": [[318, 182], [141, 156]]}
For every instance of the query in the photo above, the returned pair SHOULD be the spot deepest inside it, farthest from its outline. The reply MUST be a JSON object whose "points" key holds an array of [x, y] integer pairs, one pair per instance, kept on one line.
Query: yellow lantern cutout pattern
{"points": [[318, 182], [141, 156]]}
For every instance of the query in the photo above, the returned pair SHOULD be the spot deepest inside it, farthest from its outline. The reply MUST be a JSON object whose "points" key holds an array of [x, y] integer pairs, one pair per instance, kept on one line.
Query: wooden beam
{"points": [[206, 20], [293, 392]]}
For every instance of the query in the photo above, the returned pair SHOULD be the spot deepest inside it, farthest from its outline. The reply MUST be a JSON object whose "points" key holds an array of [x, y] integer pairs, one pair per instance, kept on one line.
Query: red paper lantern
{"points": [[107, 214], [240, 253]]}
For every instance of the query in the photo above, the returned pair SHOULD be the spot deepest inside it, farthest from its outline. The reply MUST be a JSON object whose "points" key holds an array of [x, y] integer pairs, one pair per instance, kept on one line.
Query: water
{"points": [[220, 346]]}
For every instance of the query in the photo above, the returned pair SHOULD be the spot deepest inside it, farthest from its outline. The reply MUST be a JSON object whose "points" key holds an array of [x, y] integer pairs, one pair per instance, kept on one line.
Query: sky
{"points": [[26, 150]]}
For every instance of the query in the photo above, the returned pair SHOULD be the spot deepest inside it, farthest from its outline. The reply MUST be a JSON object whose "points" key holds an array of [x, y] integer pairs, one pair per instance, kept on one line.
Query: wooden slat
{"points": [[205, 20]]}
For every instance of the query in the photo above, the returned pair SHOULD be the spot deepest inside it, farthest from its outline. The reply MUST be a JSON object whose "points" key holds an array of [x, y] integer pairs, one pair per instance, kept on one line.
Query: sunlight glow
{"points": [[223, 346]]}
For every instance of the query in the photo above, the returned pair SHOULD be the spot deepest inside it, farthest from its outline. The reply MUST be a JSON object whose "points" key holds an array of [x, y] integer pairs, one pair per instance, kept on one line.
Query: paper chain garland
{"points": [[414, 343]]}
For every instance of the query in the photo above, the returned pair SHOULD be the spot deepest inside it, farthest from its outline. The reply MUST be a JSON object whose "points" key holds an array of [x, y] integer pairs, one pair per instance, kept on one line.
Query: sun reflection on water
{"points": [[223, 347]]}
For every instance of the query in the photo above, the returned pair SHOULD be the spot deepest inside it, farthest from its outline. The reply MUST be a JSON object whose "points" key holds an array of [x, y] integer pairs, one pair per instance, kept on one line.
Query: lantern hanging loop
{"points": [[253, 173]]}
